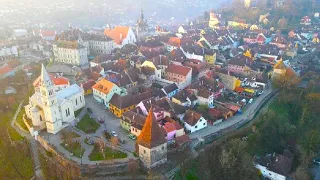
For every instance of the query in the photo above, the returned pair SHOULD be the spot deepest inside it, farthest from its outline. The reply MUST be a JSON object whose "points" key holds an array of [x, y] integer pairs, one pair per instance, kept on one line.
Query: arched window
{"points": [[40, 118]]}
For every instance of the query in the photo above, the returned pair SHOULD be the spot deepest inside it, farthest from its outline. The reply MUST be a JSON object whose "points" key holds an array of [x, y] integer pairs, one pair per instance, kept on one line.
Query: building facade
{"points": [[70, 53], [103, 91], [53, 110]]}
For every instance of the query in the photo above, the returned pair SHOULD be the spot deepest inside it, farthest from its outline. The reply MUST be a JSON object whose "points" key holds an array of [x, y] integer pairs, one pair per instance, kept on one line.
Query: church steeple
{"points": [[142, 16], [45, 78]]}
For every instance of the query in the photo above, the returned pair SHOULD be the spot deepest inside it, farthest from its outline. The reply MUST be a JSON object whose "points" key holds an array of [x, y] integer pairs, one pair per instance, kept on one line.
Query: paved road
{"points": [[112, 123], [247, 114]]}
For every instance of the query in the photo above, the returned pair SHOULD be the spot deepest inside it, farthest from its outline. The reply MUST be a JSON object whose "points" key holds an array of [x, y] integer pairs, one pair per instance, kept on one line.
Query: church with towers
{"points": [[54, 102]]}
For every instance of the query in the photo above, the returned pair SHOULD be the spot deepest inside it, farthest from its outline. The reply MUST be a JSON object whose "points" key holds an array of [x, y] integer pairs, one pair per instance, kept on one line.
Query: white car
{"points": [[113, 133]]}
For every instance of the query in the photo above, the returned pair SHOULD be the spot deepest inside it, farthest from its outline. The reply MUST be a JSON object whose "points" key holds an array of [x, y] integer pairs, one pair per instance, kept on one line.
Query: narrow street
{"points": [[247, 114]]}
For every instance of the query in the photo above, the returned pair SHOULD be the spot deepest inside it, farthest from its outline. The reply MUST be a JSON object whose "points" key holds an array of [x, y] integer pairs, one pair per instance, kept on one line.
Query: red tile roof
{"points": [[88, 85], [169, 127], [47, 33], [191, 117], [214, 113], [238, 89], [14, 63], [177, 69], [5, 70], [174, 41], [117, 34], [57, 80]]}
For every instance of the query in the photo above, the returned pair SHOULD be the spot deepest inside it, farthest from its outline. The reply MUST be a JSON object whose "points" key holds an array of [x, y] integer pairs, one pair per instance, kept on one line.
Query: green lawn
{"points": [[20, 120], [14, 135], [74, 148], [74, 135], [76, 113], [87, 124], [96, 155]]}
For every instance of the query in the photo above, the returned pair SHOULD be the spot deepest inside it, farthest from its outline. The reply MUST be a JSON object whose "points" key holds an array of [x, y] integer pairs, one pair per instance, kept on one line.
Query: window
{"points": [[196, 127], [144, 151], [67, 112], [80, 99], [204, 124], [162, 147], [76, 102]]}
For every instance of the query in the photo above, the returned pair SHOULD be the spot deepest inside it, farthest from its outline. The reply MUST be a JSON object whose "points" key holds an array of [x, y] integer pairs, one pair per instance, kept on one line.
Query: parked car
{"points": [[113, 133], [101, 121], [133, 137], [89, 110], [316, 160]]}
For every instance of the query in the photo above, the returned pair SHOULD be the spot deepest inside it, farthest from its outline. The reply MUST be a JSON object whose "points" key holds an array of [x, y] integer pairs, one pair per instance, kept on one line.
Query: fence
{"points": [[27, 124]]}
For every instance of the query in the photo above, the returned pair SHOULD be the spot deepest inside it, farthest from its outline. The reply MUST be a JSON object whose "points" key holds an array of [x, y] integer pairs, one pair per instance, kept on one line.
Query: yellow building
{"points": [[121, 104], [230, 82], [279, 69], [213, 21], [211, 57], [247, 3], [87, 87], [248, 53]]}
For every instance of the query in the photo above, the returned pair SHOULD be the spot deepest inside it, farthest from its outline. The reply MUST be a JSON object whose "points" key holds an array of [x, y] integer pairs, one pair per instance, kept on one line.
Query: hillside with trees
{"points": [[290, 122], [284, 17]]}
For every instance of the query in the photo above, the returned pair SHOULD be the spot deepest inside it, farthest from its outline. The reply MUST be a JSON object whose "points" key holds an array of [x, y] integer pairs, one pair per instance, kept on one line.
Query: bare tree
{"points": [[100, 143], [114, 143]]}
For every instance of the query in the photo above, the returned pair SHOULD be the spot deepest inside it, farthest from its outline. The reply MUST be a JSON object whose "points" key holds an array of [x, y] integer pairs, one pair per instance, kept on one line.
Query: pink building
{"points": [[157, 111], [179, 74], [238, 64], [170, 130]]}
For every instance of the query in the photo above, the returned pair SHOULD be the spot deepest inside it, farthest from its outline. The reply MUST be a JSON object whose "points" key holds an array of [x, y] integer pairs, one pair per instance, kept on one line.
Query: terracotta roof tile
{"points": [[151, 135], [57, 80], [103, 86], [14, 63], [191, 117], [118, 34], [177, 69], [5, 69]]}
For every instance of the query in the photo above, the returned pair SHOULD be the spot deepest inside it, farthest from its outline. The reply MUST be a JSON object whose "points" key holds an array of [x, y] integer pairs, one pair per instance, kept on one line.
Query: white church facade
{"points": [[53, 108]]}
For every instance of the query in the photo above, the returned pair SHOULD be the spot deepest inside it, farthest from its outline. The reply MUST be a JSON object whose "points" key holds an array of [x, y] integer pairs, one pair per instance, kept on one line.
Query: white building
{"points": [[121, 35], [193, 121], [17, 33], [9, 50], [275, 166], [70, 53], [53, 109], [100, 44]]}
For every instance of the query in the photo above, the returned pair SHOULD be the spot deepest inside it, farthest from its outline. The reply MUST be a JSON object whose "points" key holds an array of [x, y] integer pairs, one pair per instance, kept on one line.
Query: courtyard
{"points": [[78, 142]]}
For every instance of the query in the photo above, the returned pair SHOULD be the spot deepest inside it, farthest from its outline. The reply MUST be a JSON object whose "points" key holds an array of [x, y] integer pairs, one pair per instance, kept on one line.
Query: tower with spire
{"points": [[213, 21], [151, 143], [50, 103], [142, 26]]}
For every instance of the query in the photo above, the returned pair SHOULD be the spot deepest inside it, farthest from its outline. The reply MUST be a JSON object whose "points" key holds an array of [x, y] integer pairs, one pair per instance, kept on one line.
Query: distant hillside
{"points": [[282, 15]]}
